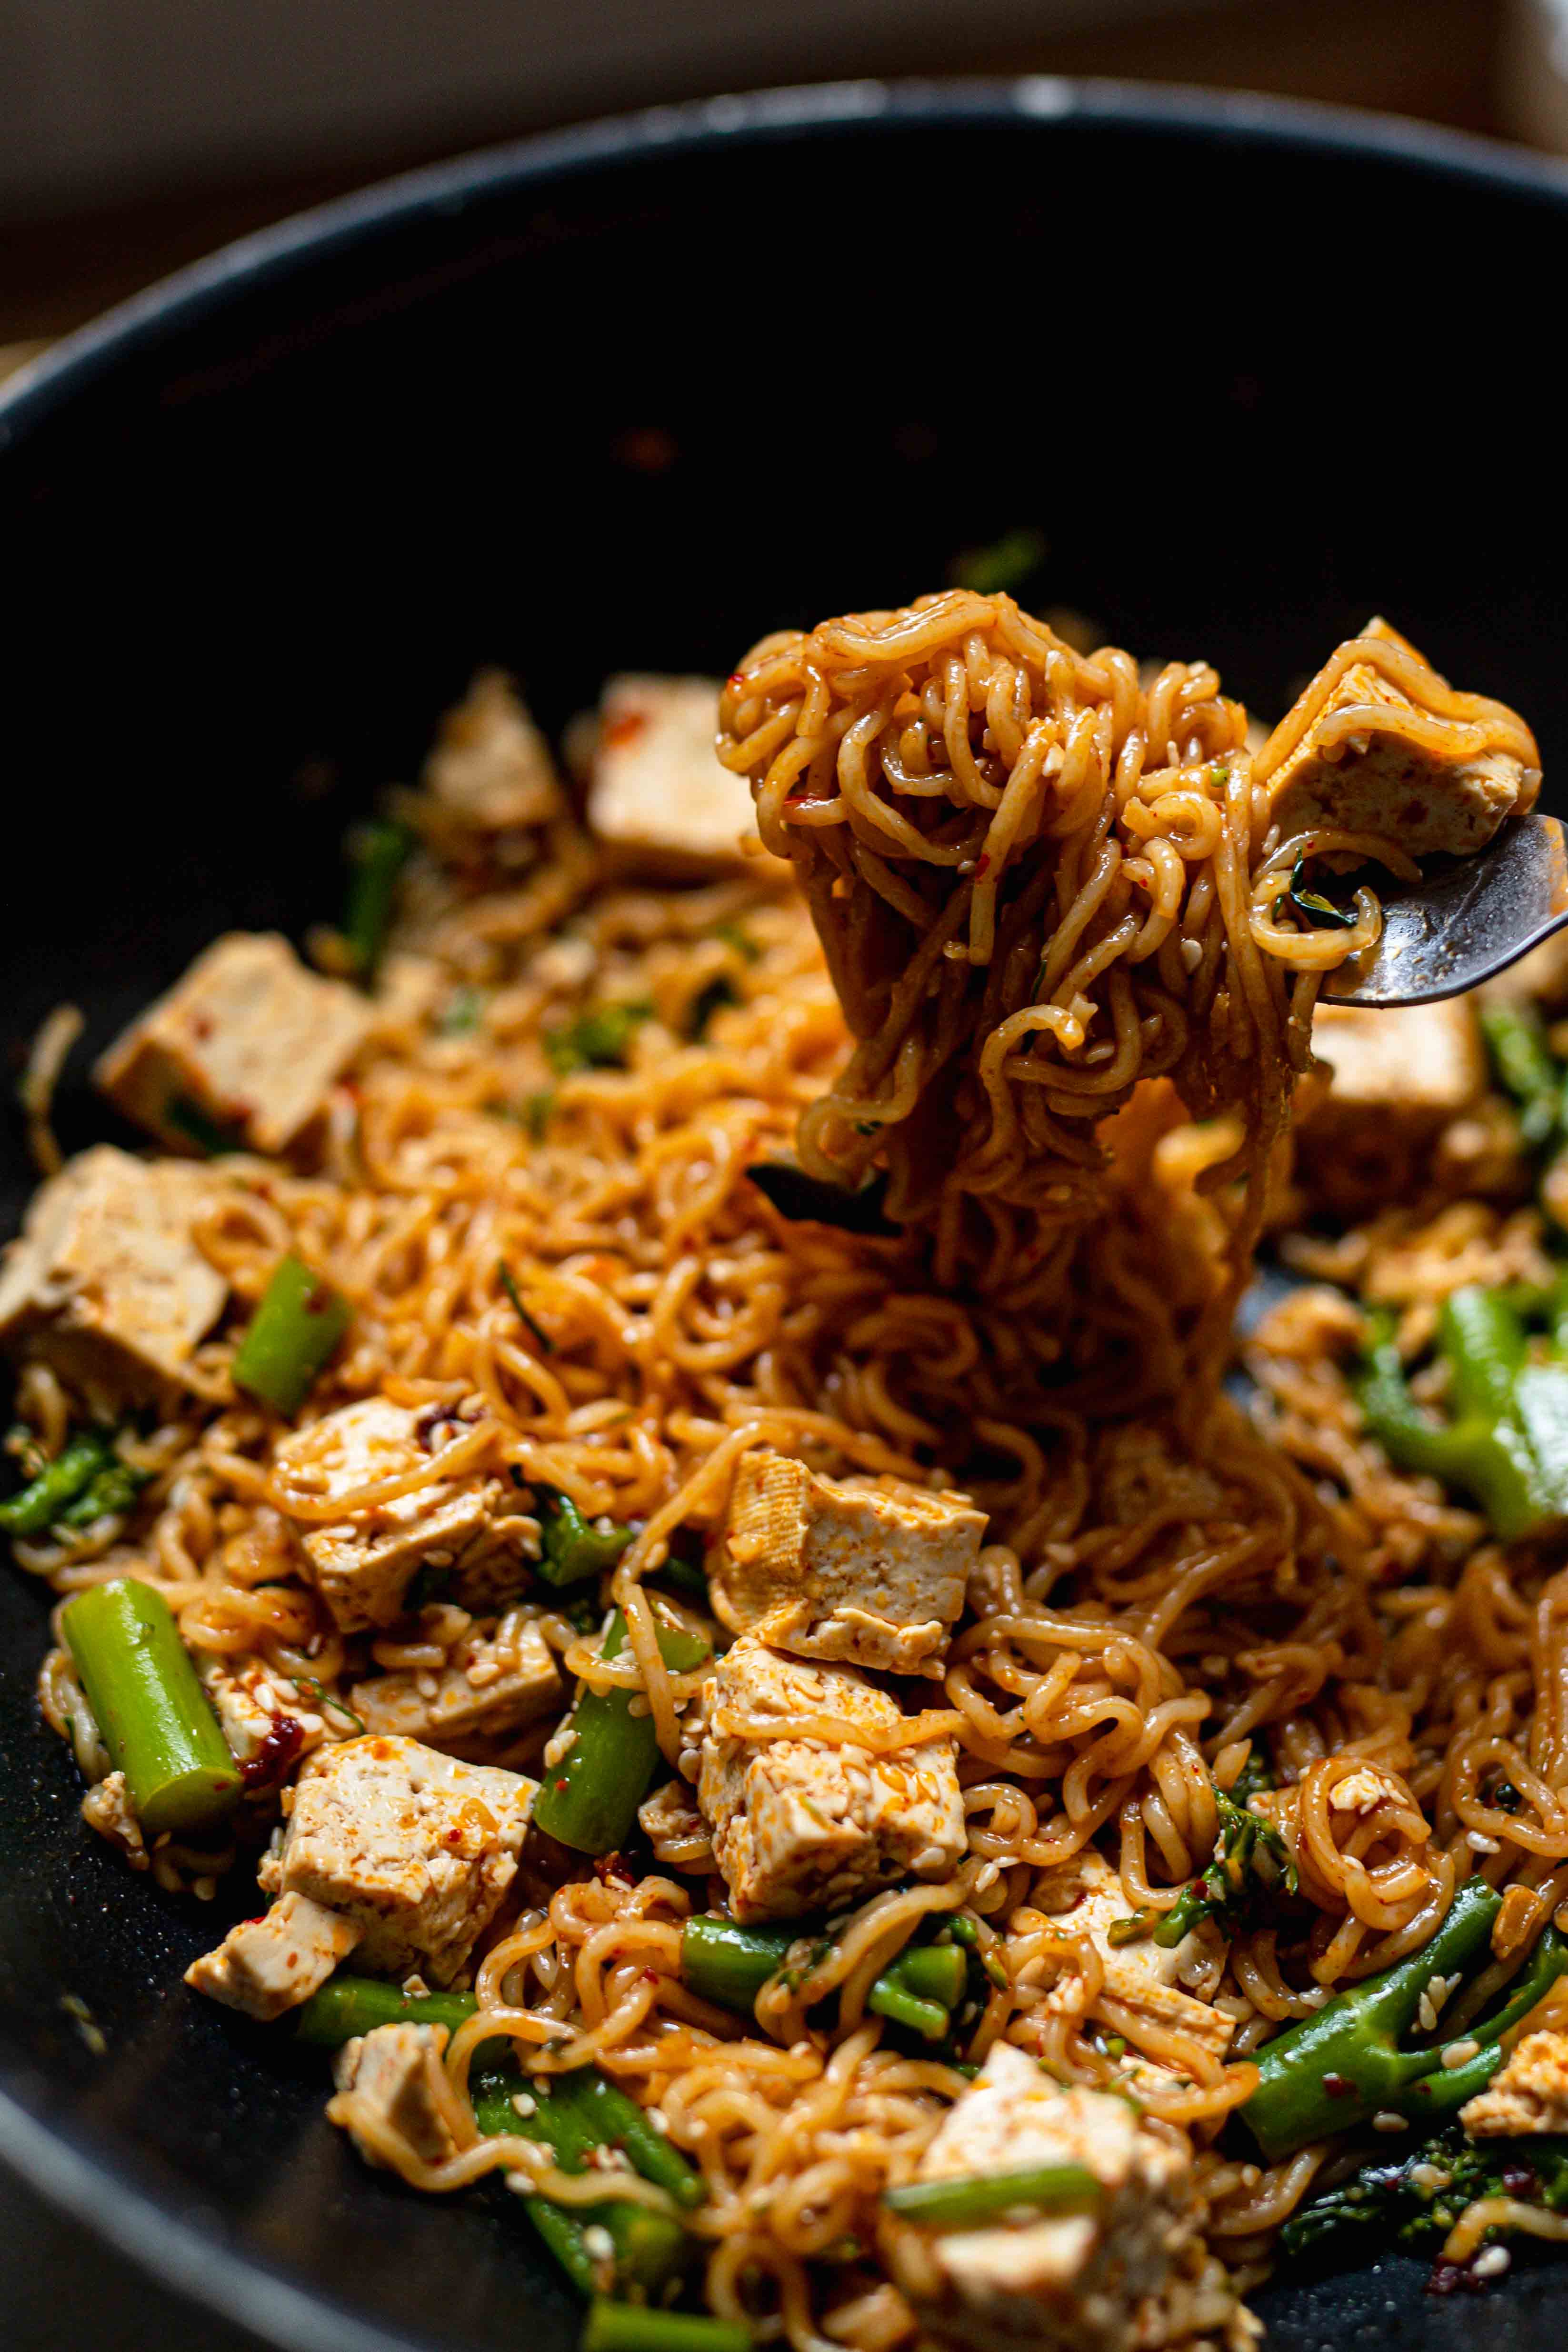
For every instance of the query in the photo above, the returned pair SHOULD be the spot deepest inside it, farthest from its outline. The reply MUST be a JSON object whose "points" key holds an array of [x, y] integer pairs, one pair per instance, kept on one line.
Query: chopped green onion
{"points": [[465, 1010], [598, 1039], [292, 1333], [966, 2202], [198, 1126], [509, 1285], [1314, 906], [152, 1712]]}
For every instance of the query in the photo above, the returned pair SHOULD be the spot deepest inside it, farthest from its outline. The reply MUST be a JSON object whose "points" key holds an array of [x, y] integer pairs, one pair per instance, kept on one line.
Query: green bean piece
{"points": [[632, 2328], [589, 1799], [615, 2120], [36, 1506], [378, 852], [114, 1489], [649, 2248], [508, 1282], [729, 1965], [149, 1707], [348, 2006], [573, 1548], [969, 2202], [1332, 2069], [292, 1333]]}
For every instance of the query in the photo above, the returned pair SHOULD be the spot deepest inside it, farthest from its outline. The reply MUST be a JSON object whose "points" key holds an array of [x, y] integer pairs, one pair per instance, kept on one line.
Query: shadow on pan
{"points": [[625, 397]]}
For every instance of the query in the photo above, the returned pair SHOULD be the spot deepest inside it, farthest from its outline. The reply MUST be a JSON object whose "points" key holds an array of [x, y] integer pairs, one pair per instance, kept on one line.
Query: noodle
{"points": [[1051, 901]]}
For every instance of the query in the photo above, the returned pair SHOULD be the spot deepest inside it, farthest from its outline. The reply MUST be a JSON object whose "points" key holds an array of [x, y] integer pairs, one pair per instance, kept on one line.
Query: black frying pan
{"points": [[627, 396]]}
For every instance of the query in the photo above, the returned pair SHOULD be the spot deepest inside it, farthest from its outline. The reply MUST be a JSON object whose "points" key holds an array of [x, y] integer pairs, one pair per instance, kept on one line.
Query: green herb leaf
{"points": [[1320, 911], [1006, 563], [465, 1010], [509, 1283], [598, 1039]]}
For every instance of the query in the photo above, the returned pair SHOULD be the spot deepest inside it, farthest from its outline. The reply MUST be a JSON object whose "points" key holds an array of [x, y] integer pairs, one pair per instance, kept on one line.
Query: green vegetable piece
{"points": [[589, 1799], [599, 1039], [378, 852], [709, 1000], [649, 2249], [1252, 1866], [1005, 564], [292, 1333], [632, 2328], [612, 2119], [347, 2006], [114, 1490], [1418, 2198], [1320, 912], [209, 1135], [149, 1707], [44, 1499], [1524, 1068], [967, 2203], [573, 1548], [508, 1283], [735, 936], [464, 1012], [1504, 1446], [537, 1110], [809, 1200], [1330, 2071], [729, 1965]]}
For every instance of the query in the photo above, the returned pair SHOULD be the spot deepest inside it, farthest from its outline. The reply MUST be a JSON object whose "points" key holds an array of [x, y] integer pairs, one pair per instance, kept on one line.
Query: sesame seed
{"points": [[1459, 2053], [1478, 1842], [1491, 2263], [597, 2243], [1385, 2120], [523, 2104]]}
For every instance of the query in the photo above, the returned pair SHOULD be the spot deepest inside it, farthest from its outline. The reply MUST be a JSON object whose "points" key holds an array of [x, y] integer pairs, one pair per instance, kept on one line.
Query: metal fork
{"points": [[1450, 930]]}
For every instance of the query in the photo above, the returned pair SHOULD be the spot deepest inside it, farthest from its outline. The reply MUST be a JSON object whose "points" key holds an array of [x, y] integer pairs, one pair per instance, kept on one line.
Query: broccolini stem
{"points": [[292, 1333], [590, 1799], [966, 2202], [149, 1707], [631, 2327], [348, 2006], [44, 1499]]}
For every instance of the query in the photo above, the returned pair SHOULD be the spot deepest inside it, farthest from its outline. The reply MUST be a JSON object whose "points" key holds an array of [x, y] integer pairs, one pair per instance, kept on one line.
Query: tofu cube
{"points": [[657, 790], [1082, 1897], [1398, 1076], [810, 1823], [1528, 2093], [414, 1848], [264, 1967], [869, 1571], [248, 1043], [392, 2080], [490, 770], [1077, 2280], [492, 1687], [1375, 780], [363, 1565], [106, 1284]]}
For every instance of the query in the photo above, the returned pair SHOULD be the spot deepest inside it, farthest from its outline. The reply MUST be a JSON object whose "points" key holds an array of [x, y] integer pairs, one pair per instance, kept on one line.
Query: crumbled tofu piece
{"points": [[871, 1571], [106, 1284], [657, 789], [364, 1566], [392, 2079], [673, 1824], [1528, 2093], [1396, 1075], [265, 1966], [106, 1808], [1082, 1897], [1378, 780], [248, 1043], [249, 1707], [813, 1824], [1073, 2280], [414, 1847], [490, 1687], [491, 768]]}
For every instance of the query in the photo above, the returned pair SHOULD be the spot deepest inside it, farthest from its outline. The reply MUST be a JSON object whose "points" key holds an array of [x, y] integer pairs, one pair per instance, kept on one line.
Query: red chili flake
{"points": [[652, 1976], [1520, 2180], [608, 1866], [1450, 2278], [278, 1749], [738, 678], [982, 866], [1338, 2086], [627, 728], [320, 1301], [559, 1786]]}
